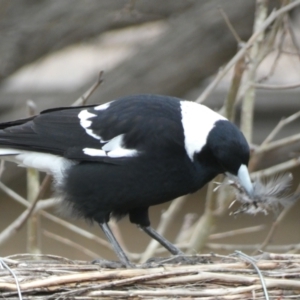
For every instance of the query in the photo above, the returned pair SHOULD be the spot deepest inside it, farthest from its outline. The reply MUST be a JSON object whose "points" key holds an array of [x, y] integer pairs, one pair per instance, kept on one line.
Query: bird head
{"points": [[231, 152]]}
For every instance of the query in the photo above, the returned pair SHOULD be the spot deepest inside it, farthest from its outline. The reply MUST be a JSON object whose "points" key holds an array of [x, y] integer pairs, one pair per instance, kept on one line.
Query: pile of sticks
{"points": [[211, 276]]}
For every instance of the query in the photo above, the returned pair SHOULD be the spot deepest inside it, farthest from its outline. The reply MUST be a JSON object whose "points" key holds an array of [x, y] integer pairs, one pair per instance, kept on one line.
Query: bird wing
{"points": [[109, 133]]}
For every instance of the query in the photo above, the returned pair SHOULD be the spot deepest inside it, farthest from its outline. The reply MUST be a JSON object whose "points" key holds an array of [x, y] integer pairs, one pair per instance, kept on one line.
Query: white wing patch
{"points": [[114, 148], [103, 106], [197, 121], [84, 117], [85, 122], [93, 152]]}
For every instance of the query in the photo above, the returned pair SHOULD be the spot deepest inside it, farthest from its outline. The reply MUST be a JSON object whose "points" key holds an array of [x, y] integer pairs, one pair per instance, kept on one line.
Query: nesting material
{"points": [[268, 195], [213, 277]]}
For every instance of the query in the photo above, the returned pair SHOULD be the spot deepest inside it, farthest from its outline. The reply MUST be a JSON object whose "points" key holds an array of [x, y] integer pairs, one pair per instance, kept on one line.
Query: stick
{"points": [[272, 17]]}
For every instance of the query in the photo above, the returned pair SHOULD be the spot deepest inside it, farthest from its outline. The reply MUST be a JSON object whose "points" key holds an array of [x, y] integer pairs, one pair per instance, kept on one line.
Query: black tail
{"points": [[15, 123]]}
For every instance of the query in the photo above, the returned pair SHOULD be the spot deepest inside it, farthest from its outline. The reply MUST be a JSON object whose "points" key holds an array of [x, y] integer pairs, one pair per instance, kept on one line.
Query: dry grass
{"points": [[208, 277]]}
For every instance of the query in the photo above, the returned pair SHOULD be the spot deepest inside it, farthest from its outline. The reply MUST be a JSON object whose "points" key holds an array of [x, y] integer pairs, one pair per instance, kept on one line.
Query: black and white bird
{"points": [[124, 156]]}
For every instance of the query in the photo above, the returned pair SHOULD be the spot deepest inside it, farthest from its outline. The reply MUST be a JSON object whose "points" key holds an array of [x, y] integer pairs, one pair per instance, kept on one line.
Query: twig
{"points": [[12, 229], [204, 226], [15, 196], [253, 263], [33, 226], [277, 144], [279, 48], [236, 232], [276, 87], [283, 167], [83, 99], [272, 230], [230, 101], [126, 281], [33, 188], [275, 225], [293, 37], [230, 26], [76, 229], [251, 247], [273, 16], [258, 156], [255, 53], [31, 208], [187, 224], [2, 167], [117, 233], [43, 204], [70, 243], [4, 265], [280, 125]]}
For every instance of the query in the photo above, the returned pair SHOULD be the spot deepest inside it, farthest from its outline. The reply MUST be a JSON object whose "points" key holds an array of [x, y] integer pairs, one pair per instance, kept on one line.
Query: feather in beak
{"points": [[269, 195]]}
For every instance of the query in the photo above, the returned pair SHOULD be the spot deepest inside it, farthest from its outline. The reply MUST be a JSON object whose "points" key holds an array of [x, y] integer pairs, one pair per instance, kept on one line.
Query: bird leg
{"points": [[164, 242], [116, 246]]}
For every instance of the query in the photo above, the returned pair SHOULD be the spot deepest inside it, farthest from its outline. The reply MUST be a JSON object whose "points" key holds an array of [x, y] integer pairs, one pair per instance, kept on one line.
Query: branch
{"points": [[280, 125], [70, 243], [84, 98], [283, 167], [235, 232], [272, 17], [277, 144], [247, 110], [276, 87]]}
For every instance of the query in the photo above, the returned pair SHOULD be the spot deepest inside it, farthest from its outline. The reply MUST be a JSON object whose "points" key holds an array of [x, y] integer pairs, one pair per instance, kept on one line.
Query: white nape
{"points": [[197, 121]]}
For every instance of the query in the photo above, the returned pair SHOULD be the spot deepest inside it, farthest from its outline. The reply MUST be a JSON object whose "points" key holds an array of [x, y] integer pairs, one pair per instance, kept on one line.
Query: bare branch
{"points": [[255, 54], [230, 26], [236, 232], [276, 87], [272, 17], [278, 144], [283, 167], [275, 225], [84, 98], [280, 125], [70, 243]]}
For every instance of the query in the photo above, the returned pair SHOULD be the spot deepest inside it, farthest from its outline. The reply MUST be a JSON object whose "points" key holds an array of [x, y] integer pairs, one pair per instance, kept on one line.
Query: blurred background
{"points": [[51, 52]]}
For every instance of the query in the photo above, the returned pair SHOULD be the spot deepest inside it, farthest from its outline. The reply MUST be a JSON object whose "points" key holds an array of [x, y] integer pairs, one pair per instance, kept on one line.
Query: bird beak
{"points": [[244, 178]]}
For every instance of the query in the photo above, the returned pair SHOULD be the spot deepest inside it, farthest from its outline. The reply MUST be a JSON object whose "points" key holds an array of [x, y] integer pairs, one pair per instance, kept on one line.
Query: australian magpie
{"points": [[126, 155]]}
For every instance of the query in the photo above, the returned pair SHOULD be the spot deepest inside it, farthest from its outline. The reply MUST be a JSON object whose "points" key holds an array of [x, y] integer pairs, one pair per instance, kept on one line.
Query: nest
{"points": [[268, 276]]}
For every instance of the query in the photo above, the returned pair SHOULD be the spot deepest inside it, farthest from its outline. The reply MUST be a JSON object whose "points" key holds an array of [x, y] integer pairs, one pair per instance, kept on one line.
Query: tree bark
{"points": [[196, 45], [30, 29]]}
